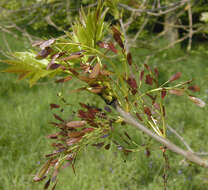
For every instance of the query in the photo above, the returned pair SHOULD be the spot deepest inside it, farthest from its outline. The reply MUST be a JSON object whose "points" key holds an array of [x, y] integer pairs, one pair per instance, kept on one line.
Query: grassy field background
{"points": [[25, 113]]}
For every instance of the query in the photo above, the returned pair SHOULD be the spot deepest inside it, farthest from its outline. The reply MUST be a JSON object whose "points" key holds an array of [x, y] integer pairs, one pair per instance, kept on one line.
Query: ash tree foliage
{"points": [[95, 54]]}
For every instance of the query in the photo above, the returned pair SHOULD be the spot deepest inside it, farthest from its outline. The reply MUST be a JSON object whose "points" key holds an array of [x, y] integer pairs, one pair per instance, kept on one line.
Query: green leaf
{"points": [[27, 66], [90, 27]]}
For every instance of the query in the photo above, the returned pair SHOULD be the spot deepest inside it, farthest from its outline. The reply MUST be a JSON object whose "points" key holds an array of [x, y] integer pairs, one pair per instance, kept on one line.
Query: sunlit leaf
{"points": [[27, 66], [90, 27]]}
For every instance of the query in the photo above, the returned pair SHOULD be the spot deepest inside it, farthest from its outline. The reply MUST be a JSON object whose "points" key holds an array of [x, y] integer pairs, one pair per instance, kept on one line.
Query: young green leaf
{"points": [[27, 66]]}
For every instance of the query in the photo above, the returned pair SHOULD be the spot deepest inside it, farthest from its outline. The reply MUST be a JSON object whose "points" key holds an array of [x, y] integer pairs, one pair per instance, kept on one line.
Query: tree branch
{"points": [[190, 26], [180, 138], [153, 11], [185, 143], [168, 144]]}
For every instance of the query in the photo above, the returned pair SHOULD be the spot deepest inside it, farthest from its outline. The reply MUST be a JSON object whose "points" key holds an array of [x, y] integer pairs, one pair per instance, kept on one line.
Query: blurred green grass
{"points": [[25, 114]]}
